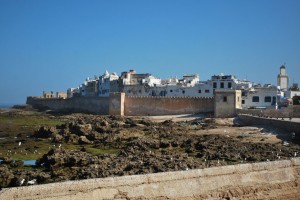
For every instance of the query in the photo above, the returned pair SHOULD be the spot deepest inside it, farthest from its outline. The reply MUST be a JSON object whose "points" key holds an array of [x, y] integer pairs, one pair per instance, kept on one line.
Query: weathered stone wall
{"points": [[277, 123], [139, 106], [98, 105], [267, 180], [227, 102], [116, 103]]}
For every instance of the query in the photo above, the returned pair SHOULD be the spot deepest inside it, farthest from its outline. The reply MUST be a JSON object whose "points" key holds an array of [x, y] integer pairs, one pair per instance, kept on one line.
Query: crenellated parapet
{"points": [[170, 97]]}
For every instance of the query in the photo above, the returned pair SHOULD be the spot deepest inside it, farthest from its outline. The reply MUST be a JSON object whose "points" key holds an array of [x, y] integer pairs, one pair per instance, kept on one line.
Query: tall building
{"points": [[283, 79]]}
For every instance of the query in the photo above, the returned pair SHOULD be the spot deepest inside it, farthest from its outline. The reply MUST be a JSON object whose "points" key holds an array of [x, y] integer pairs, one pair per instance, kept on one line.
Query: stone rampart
{"points": [[116, 103], [98, 105], [140, 106], [279, 178]]}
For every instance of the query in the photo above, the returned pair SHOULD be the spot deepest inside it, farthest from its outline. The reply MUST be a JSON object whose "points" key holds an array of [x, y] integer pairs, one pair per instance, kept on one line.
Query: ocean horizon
{"points": [[8, 105]]}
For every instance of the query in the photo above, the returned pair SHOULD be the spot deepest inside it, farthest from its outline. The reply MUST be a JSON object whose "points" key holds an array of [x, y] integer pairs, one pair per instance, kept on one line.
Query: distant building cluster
{"points": [[134, 84], [60, 95]]}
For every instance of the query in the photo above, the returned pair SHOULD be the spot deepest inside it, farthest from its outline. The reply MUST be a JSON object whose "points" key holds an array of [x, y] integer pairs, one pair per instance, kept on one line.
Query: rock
{"points": [[164, 144], [57, 138], [72, 138], [104, 123], [84, 140], [6, 176], [17, 163], [44, 132]]}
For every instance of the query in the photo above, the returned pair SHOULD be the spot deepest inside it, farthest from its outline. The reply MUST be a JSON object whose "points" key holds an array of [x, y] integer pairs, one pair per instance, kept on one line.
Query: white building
{"points": [[105, 83], [291, 94], [260, 97], [188, 86]]}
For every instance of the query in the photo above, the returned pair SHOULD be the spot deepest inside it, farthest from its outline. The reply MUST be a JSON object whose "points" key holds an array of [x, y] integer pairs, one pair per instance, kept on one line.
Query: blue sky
{"points": [[55, 44]]}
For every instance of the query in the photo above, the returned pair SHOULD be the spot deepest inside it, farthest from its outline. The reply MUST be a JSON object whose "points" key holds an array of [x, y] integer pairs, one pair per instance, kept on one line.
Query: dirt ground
{"points": [[255, 134]]}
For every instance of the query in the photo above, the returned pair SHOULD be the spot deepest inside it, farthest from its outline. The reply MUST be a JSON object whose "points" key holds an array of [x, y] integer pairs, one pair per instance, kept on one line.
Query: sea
{"points": [[7, 105], [26, 162]]}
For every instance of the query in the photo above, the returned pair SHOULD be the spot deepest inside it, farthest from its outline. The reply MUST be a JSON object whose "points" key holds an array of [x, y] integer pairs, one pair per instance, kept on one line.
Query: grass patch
{"points": [[100, 151], [13, 125], [30, 149]]}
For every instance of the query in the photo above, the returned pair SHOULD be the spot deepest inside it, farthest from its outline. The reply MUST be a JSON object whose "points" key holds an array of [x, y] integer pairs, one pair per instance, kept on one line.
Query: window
{"points": [[229, 85], [255, 99], [222, 85], [274, 100], [206, 91], [243, 101], [183, 91], [171, 90], [140, 91], [214, 85], [225, 99], [129, 91], [199, 91], [267, 99]]}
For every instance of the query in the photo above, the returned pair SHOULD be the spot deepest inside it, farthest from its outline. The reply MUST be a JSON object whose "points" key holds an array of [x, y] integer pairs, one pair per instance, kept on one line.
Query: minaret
{"points": [[283, 79]]}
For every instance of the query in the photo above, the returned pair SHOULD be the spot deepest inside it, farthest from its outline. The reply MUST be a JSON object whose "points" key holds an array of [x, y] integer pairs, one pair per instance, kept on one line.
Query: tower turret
{"points": [[283, 79]]}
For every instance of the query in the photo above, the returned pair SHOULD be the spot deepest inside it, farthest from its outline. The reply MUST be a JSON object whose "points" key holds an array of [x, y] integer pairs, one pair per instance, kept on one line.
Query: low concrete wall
{"points": [[296, 111], [200, 183], [139, 106], [277, 123], [98, 105]]}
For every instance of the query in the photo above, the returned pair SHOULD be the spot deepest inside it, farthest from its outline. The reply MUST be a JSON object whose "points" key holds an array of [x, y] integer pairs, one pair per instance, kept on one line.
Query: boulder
{"points": [[84, 140], [57, 138]]}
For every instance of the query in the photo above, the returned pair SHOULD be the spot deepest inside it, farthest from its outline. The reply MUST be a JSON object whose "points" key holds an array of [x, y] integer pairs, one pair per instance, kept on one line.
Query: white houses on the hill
{"points": [[259, 97], [134, 84]]}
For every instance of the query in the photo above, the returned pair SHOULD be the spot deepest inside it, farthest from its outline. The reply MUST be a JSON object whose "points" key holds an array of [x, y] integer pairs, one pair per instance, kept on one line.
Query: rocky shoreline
{"points": [[140, 146]]}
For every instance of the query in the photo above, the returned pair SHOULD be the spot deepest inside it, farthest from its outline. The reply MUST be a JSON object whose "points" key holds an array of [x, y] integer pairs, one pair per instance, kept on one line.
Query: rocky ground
{"points": [[89, 146]]}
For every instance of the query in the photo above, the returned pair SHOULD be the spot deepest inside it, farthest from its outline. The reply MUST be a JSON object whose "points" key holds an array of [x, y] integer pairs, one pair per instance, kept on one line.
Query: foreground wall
{"points": [[98, 105], [268, 180], [296, 111], [167, 105], [277, 123]]}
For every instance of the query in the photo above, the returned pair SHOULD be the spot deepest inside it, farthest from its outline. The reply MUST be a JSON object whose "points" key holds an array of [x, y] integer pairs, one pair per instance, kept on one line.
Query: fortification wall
{"points": [[139, 106], [267, 180], [99, 105], [277, 123], [116, 103]]}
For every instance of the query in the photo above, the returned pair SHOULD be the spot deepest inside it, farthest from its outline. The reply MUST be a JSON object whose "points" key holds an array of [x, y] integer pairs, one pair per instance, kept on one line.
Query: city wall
{"points": [[119, 104], [266, 180], [141, 106], [97, 105]]}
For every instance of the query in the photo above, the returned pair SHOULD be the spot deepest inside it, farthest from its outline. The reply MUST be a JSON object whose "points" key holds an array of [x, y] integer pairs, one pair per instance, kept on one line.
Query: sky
{"points": [[53, 45]]}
